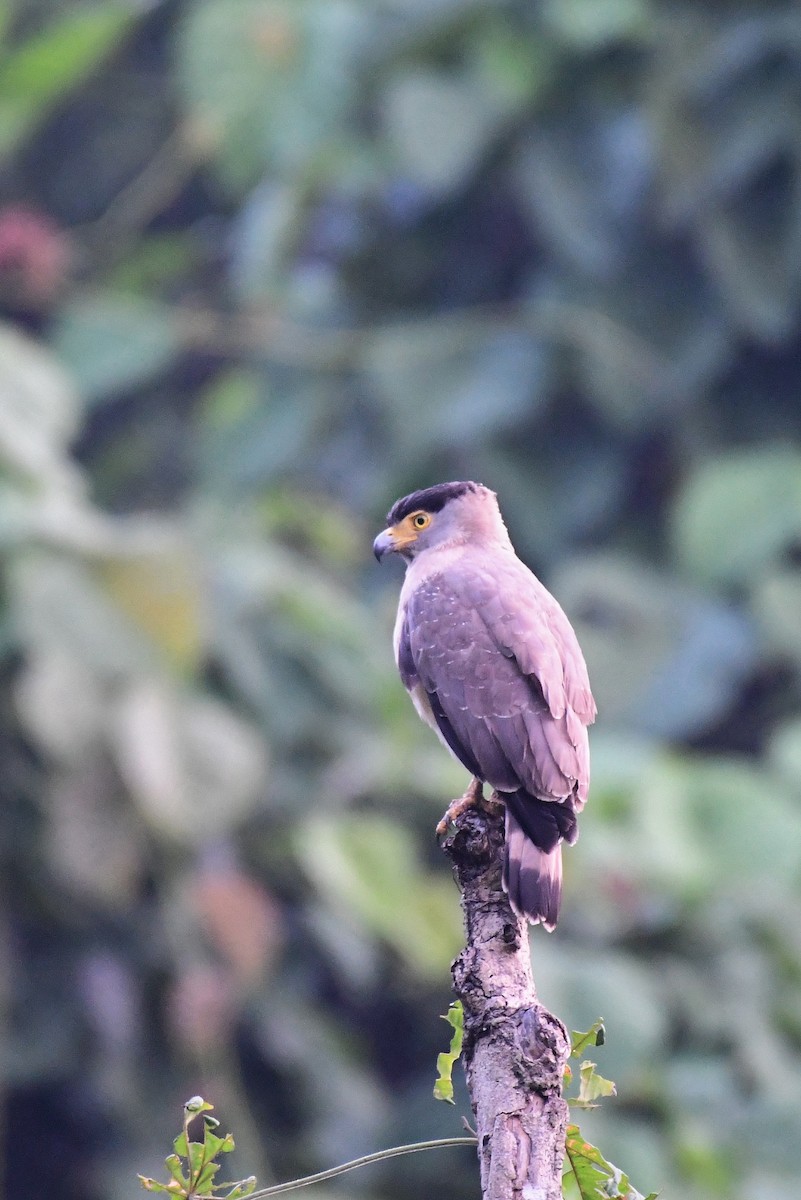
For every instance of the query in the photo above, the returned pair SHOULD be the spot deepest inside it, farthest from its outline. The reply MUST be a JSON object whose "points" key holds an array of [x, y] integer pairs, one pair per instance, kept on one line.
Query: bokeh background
{"points": [[266, 265]]}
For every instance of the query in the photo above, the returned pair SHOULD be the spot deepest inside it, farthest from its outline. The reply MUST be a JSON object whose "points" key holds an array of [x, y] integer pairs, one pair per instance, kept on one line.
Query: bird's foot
{"points": [[494, 804], [473, 796]]}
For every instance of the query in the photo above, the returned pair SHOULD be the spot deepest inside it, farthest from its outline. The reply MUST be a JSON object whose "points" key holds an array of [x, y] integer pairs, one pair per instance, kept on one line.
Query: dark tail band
{"points": [[532, 865]]}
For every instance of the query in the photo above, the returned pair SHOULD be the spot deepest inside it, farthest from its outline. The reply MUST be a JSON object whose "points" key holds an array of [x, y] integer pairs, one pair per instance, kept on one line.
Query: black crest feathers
{"points": [[429, 499]]}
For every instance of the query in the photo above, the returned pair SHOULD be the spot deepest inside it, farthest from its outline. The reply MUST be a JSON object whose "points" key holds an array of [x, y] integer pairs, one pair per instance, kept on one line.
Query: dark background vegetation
{"points": [[264, 266]]}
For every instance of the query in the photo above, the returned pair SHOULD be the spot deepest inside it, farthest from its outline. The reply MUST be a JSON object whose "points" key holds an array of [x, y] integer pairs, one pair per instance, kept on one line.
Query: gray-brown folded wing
{"points": [[505, 677]]}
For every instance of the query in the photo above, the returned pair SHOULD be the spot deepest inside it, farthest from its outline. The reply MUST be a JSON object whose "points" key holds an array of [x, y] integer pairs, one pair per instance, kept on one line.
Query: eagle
{"points": [[493, 665]]}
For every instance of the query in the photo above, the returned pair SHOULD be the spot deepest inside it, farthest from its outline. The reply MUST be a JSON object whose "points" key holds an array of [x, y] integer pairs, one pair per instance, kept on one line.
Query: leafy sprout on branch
{"points": [[192, 1166], [587, 1174]]}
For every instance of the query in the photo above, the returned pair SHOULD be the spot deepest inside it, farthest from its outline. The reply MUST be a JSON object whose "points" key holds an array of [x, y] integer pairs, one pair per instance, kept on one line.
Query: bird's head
{"points": [[443, 515]]}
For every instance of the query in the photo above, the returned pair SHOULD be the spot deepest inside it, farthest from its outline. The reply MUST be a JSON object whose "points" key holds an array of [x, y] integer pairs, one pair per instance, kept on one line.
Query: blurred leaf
{"points": [[61, 703], [367, 866], [721, 797], [628, 990], [657, 859], [153, 263], [719, 93], [91, 843], [512, 68], [330, 529], [265, 233], [306, 1041], [638, 352], [36, 74], [434, 379], [195, 767], [58, 609], [268, 82], [736, 514], [161, 595], [39, 414], [443, 1087], [590, 24], [229, 401], [777, 606], [250, 434], [756, 257], [663, 658], [112, 343], [784, 752], [438, 126]]}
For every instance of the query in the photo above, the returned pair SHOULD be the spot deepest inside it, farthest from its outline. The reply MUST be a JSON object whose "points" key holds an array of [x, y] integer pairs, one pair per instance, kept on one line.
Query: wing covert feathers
{"points": [[509, 692], [503, 661]]}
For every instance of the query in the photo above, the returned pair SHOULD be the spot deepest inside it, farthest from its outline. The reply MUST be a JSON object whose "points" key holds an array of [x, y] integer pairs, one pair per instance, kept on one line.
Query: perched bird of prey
{"points": [[493, 665]]}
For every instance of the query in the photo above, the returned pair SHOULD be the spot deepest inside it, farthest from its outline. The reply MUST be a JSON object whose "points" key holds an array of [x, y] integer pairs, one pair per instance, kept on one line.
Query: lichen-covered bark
{"points": [[514, 1049]]}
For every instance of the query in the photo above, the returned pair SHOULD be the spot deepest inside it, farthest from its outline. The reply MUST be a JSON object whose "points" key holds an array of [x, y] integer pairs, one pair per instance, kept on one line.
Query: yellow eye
{"points": [[421, 520]]}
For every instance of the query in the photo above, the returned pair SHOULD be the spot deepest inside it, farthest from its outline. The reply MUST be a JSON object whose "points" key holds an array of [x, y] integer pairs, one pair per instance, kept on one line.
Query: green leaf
{"points": [[203, 1183], [153, 1185], [591, 1176], [180, 1145], [443, 1087], [594, 1036], [592, 1086], [175, 1167], [197, 1158], [246, 1186], [217, 1145], [590, 1171], [212, 1144], [37, 74]]}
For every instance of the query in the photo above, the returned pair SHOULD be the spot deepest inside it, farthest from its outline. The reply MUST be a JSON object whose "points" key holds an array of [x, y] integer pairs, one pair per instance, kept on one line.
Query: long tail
{"points": [[532, 866]]}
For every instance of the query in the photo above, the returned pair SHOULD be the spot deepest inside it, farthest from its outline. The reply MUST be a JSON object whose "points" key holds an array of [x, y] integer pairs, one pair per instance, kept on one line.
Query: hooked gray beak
{"points": [[384, 544]]}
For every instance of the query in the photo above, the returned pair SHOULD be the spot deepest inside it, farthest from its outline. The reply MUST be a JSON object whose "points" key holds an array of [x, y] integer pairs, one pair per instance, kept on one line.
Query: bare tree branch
{"points": [[514, 1049]]}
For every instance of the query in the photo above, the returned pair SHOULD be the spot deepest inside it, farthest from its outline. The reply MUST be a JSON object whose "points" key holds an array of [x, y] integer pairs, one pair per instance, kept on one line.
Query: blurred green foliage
{"points": [[264, 266]]}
